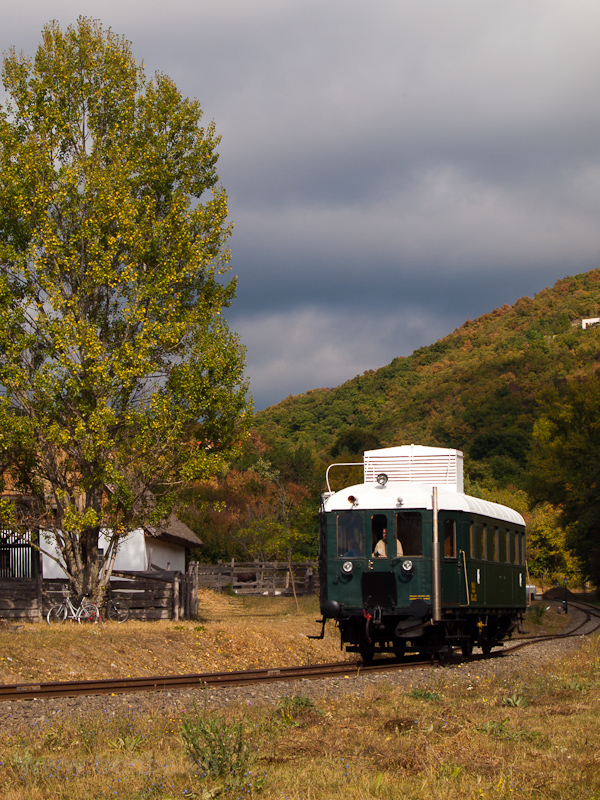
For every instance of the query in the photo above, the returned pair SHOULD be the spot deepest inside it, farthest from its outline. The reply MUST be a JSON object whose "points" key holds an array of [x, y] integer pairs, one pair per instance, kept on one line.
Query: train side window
{"points": [[492, 544], [521, 538], [511, 545], [349, 535], [409, 539], [379, 546], [502, 545], [477, 540], [449, 538]]}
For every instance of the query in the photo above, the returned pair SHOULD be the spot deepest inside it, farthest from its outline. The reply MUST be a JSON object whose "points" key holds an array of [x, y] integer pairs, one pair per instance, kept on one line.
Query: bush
{"points": [[216, 747]]}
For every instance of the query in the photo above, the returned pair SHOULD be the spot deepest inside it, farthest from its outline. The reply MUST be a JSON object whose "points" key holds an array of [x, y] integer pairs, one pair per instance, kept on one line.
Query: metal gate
{"points": [[18, 559]]}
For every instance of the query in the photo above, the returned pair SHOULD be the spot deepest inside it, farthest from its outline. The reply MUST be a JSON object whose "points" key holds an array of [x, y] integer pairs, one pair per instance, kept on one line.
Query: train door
{"points": [[378, 582], [476, 562], [494, 578], [452, 560], [412, 569], [380, 540], [504, 572]]}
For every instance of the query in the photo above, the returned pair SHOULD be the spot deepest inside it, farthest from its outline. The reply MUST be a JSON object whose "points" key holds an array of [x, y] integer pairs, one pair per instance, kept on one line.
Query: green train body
{"points": [[453, 571]]}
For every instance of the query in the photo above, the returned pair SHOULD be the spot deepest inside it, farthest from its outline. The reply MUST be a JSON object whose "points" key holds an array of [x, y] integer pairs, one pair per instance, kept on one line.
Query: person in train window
{"points": [[353, 549], [381, 546]]}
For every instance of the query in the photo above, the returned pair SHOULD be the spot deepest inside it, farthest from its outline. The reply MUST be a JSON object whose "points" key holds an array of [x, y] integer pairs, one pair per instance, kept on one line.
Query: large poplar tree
{"points": [[120, 380]]}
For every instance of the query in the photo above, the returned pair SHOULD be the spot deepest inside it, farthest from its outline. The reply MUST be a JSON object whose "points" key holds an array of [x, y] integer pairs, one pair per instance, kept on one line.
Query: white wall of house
{"points": [[589, 323], [164, 555], [131, 554], [136, 553]]}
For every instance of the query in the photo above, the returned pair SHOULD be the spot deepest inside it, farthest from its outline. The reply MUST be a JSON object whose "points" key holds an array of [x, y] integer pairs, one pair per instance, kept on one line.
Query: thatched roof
{"points": [[175, 531]]}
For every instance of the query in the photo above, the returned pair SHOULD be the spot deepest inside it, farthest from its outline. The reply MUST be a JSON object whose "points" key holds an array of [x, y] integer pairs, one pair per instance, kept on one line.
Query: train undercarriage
{"points": [[379, 632]]}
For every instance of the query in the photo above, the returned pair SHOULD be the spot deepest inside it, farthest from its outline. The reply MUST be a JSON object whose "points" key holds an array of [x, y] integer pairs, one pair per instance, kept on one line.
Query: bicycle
{"points": [[85, 612], [116, 610]]}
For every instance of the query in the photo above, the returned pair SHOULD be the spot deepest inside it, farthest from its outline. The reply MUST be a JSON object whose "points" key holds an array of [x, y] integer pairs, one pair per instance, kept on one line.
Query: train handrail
{"points": [[347, 464], [464, 563]]}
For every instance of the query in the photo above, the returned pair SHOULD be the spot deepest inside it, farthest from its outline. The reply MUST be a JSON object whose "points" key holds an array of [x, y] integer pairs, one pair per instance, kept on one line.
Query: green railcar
{"points": [[408, 562]]}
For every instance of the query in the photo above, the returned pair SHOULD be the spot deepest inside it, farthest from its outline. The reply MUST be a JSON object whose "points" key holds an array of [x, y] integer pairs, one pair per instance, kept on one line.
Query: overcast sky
{"points": [[394, 167]]}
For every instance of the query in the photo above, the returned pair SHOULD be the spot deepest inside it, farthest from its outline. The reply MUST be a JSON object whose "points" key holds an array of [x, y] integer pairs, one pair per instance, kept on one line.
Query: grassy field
{"points": [[464, 735]]}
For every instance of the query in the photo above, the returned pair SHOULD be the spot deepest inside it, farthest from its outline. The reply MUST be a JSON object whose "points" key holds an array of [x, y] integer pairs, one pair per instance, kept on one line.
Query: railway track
{"points": [[215, 680]]}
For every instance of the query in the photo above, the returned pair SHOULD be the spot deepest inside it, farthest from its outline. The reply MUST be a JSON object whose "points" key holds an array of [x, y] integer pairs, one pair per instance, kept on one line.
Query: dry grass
{"points": [[232, 633], [532, 736]]}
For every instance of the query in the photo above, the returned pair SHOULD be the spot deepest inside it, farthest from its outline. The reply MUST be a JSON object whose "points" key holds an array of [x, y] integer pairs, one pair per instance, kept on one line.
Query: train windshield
{"points": [[409, 540], [349, 535]]}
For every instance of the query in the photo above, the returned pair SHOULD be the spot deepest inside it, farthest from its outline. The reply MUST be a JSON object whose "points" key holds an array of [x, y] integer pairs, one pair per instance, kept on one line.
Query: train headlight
{"points": [[347, 567], [407, 565]]}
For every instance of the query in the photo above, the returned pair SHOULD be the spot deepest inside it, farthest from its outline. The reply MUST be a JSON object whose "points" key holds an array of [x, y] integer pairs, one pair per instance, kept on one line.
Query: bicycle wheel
{"points": [[57, 614], [117, 610], [88, 612]]}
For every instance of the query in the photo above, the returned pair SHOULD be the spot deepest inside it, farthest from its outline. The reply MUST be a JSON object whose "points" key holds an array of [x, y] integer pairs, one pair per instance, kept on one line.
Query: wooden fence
{"points": [[155, 595], [258, 577], [21, 598], [160, 594]]}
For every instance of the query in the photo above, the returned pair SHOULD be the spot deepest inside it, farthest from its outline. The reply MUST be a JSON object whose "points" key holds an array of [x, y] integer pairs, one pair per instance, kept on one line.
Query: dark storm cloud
{"points": [[393, 168]]}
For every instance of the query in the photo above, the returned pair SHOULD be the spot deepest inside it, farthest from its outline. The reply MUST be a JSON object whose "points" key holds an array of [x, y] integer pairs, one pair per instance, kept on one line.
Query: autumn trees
{"points": [[565, 465], [120, 379]]}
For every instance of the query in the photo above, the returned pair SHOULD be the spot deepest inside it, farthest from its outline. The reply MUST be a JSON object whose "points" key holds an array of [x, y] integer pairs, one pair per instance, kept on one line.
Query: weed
{"points": [[25, 760], [88, 730], [53, 740], [515, 701], [216, 747], [424, 694], [537, 612], [501, 731], [293, 710], [126, 743], [576, 685]]}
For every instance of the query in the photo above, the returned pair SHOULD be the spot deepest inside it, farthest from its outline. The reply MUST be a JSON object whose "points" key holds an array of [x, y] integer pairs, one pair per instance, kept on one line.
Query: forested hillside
{"points": [[497, 388], [477, 389]]}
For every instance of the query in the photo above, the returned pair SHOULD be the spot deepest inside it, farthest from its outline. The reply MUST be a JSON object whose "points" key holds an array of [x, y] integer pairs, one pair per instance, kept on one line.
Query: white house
{"points": [[589, 323], [165, 547]]}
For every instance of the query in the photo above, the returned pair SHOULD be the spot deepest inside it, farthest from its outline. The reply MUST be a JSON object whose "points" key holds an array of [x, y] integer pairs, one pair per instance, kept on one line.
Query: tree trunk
{"points": [[293, 581]]}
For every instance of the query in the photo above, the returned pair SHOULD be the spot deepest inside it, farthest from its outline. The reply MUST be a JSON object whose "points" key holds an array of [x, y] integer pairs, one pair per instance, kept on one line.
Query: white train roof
{"points": [[400, 495]]}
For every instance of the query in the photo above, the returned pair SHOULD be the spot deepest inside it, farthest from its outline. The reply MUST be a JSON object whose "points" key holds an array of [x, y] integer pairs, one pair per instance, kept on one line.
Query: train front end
{"points": [[396, 571]]}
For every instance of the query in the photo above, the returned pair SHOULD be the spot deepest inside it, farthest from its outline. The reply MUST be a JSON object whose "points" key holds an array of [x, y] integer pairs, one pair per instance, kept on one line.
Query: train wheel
{"points": [[486, 648], [466, 647], [366, 654]]}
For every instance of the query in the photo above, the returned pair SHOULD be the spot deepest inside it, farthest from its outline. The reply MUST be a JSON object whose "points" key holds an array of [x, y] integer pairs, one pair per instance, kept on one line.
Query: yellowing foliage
{"points": [[121, 379]]}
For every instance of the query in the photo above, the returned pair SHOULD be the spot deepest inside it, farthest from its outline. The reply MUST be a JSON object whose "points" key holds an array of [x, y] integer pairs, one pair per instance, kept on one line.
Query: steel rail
{"points": [[213, 680]]}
